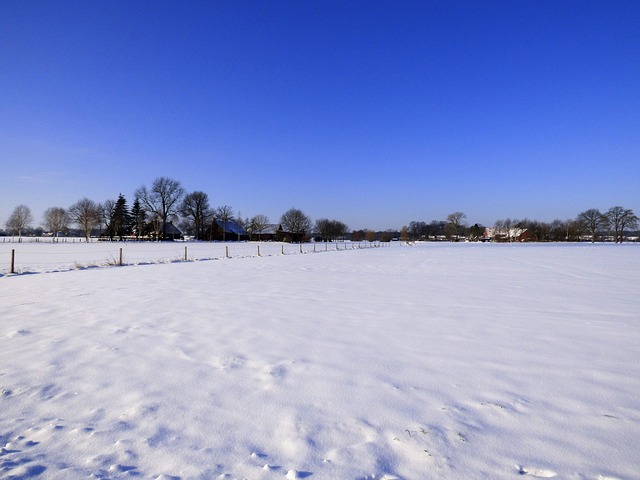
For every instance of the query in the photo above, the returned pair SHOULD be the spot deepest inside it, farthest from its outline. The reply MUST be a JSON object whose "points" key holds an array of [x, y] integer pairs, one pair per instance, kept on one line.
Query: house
{"points": [[271, 232], [526, 235], [230, 230], [171, 232], [511, 235]]}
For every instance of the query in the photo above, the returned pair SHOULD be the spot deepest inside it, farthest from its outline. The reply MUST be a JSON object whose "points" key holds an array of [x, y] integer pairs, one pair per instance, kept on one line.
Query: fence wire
{"points": [[44, 257]]}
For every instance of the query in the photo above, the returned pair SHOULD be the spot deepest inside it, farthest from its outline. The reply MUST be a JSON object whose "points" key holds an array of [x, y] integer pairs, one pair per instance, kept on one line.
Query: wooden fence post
{"points": [[301, 248], [258, 250], [227, 251], [185, 254], [13, 261], [283, 249]]}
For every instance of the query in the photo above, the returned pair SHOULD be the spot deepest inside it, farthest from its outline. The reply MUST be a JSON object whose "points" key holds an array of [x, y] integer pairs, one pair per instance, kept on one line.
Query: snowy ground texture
{"points": [[436, 361]]}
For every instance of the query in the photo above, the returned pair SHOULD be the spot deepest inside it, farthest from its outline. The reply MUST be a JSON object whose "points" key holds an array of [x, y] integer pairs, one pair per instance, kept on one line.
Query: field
{"points": [[433, 361], [35, 255]]}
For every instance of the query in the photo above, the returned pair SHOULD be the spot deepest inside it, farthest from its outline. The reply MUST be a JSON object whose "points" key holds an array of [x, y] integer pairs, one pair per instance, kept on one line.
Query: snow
{"points": [[437, 361], [74, 253]]}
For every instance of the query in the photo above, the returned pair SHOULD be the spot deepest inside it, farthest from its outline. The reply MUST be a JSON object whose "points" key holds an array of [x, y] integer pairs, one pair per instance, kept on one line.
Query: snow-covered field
{"points": [[438, 361], [30, 256]]}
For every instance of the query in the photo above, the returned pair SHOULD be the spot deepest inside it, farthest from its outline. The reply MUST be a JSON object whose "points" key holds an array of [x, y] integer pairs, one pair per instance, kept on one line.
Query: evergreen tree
{"points": [[138, 216], [121, 220]]}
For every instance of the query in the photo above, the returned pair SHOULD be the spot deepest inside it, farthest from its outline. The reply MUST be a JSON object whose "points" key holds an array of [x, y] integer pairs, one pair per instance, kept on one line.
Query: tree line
{"points": [[166, 203], [590, 224], [163, 204]]}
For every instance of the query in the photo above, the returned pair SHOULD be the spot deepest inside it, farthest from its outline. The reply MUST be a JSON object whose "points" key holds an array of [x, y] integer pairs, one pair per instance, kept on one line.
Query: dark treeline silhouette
{"points": [[166, 211]]}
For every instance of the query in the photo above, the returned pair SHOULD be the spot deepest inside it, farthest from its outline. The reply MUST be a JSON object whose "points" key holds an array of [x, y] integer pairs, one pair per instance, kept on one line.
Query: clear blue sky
{"points": [[374, 113]]}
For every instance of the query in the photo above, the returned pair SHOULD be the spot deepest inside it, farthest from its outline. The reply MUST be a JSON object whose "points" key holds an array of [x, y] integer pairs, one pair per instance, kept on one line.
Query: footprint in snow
{"points": [[128, 469], [228, 363], [49, 391], [536, 472], [162, 437], [19, 333], [293, 474], [278, 371]]}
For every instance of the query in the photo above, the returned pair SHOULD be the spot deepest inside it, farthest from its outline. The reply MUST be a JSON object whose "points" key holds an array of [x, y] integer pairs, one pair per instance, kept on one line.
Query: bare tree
{"points": [[418, 230], [163, 199], [242, 223], [508, 225], [225, 215], [339, 229], [86, 214], [593, 220], [558, 230], [19, 220], [455, 223], [322, 228], [619, 219], [296, 223], [248, 227], [614, 217], [258, 224], [357, 235], [195, 205], [56, 220], [330, 229], [629, 220], [105, 210], [502, 230]]}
